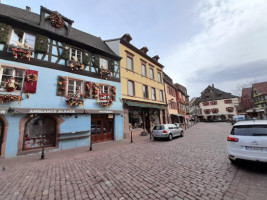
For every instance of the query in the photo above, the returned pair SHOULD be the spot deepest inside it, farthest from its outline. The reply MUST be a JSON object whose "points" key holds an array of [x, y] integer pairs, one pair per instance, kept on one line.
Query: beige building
{"points": [[217, 105]]}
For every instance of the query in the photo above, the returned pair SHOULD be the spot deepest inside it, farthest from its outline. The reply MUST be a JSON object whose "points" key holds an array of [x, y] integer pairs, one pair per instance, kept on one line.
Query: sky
{"points": [[220, 42]]}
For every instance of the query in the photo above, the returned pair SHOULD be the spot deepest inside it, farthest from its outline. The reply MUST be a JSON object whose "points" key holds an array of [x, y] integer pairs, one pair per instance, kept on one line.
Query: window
{"points": [[26, 39], [213, 103], [159, 77], [75, 55], [75, 87], [161, 95], [228, 101], [103, 63], [11, 78], [205, 103], [130, 88], [153, 93], [151, 73], [145, 91], [129, 63], [143, 69]]}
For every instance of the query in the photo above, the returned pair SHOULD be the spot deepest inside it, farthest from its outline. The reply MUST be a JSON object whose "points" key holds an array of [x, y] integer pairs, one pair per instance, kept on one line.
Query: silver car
{"points": [[167, 131]]}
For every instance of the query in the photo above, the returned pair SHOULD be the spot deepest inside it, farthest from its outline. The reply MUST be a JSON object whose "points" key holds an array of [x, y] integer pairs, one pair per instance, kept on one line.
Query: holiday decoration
{"points": [[4, 30], [87, 89], [61, 86], [104, 99], [31, 78], [111, 65], [9, 98], [11, 85], [87, 58], [57, 20], [95, 91], [41, 44], [105, 73], [113, 93], [65, 52], [75, 99], [22, 50], [75, 64], [96, 61]]}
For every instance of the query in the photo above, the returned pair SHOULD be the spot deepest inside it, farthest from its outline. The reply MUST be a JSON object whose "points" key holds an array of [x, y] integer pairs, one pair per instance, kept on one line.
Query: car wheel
{"points": [[182, 134], [232, 161], [170, 137]]}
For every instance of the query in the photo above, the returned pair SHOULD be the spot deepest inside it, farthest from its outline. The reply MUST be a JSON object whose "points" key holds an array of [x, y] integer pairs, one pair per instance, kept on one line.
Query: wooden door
{"points": [[102, 128]]}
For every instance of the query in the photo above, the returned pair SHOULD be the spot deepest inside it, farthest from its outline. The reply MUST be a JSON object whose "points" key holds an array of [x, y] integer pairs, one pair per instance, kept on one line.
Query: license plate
{"points": [[256, 148]]}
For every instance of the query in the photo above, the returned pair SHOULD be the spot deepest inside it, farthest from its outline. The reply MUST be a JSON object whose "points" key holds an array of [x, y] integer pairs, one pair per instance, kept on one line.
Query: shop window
{"points": [[145, 91], [130, 88], [11, 79], [75, 55], [153, 93], [22, 39], [39, 131], [135, 118]]}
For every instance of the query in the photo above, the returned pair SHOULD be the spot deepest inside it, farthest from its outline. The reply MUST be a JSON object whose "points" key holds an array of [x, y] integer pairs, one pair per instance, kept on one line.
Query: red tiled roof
{"points": [[261, 87]]}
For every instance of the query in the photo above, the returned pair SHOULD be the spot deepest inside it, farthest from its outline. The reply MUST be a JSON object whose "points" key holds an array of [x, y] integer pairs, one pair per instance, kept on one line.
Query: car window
{"points": [[254, 130], [158, 127], [170, 127]]}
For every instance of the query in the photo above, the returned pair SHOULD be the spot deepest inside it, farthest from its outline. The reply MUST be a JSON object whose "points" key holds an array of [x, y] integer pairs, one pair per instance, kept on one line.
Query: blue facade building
{"points": [[60, 87]]}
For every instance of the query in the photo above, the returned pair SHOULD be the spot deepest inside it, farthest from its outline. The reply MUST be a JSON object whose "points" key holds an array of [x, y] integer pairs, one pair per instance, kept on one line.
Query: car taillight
{"points": [[165, 131], [232, 139]]}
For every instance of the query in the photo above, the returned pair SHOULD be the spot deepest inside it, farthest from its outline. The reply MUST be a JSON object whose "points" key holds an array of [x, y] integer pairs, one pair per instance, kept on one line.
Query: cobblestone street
{"points": [[193, 167]]}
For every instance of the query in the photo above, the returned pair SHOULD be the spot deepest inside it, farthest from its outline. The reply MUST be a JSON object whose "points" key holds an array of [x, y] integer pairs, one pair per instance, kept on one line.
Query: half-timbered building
{"points": [[59, 85]]}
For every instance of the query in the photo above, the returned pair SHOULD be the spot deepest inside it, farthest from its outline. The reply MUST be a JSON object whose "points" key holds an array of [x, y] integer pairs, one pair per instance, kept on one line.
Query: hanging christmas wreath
{"points": [[57, 20], [31, 77]]}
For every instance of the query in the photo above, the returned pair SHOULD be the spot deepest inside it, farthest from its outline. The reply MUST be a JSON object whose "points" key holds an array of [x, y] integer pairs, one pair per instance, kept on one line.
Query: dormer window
{"points": [[22, 40], [75, 55]]}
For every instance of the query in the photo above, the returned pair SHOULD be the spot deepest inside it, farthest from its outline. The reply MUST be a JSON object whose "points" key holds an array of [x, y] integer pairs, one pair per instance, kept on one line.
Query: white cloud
{"points": [[233, 33]]}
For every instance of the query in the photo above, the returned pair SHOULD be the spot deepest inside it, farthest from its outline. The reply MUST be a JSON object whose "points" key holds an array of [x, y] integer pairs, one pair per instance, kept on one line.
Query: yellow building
{"points": [[142, 86]]}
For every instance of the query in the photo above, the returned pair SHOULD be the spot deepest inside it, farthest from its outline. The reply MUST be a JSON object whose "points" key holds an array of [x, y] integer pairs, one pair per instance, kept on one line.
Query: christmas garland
{"points": [[8, 98], [57, 20], [65, 52]]}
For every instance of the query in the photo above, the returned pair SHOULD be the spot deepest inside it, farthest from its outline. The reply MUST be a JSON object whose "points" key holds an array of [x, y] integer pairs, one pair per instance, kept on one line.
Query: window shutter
{"points": [[111, 65], [61, 86], [4, 30], [41, 44], [87, 90], [96, 61], [30, 84]]}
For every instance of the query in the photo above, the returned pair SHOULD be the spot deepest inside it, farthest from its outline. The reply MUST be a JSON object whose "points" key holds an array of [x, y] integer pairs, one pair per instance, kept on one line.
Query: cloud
{"points": [[233, 34]]}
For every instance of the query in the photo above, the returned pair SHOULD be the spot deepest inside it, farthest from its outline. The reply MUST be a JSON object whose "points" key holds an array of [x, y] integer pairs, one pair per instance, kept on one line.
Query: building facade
{"points": [[195, 110], [143, 96], [171, 100], [60, 87], [217, 105]]}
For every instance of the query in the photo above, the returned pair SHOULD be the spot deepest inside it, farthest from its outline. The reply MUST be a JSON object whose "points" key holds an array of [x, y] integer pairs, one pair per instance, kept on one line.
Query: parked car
{"points": [[248, 141], [167, 131], [238, 118]]}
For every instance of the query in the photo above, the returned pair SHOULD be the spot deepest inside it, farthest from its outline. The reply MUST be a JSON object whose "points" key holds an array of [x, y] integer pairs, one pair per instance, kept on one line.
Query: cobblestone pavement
{"points": [[193, 167]]}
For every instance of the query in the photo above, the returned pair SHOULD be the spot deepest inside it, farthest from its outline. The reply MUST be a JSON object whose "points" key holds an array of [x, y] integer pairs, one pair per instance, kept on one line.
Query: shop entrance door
{"points": [[102, 128]]}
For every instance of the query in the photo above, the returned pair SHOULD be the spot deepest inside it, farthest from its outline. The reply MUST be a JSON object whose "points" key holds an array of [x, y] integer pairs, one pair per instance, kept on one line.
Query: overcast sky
{"points": [[220, 42]]}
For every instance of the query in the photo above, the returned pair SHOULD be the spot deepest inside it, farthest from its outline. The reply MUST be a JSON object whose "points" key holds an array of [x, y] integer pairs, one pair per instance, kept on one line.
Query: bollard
{"points": [[43, 155], [131, 136], [91, 146]]}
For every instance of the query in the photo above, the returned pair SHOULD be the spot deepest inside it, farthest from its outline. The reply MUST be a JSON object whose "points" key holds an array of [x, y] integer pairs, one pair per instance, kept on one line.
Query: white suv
{"points": [[248, 141]]}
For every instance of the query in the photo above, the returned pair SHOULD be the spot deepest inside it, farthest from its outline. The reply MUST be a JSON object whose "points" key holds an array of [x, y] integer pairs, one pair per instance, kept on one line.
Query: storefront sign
{"points": [[105, 111], [110, 116], [47, 111]]}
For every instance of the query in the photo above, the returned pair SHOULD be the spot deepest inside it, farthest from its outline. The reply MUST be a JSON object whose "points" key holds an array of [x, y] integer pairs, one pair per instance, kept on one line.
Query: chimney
{"points": [[144, 49], [28, 8], [156, 58], [127, 37], [212, 85]]}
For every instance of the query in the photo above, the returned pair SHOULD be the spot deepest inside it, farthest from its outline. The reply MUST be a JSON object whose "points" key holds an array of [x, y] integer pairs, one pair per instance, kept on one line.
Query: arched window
{"points": [[40, 130]]}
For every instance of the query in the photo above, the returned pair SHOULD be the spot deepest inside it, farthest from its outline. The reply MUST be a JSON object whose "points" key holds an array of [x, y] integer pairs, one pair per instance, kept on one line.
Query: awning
{"points": [[46, 111], [4, 110], [178, 115], [255, 110], [144, 105]]}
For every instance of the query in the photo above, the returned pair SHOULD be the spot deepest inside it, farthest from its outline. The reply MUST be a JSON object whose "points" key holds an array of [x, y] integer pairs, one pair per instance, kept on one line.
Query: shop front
{"points": [[140, 117]]}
